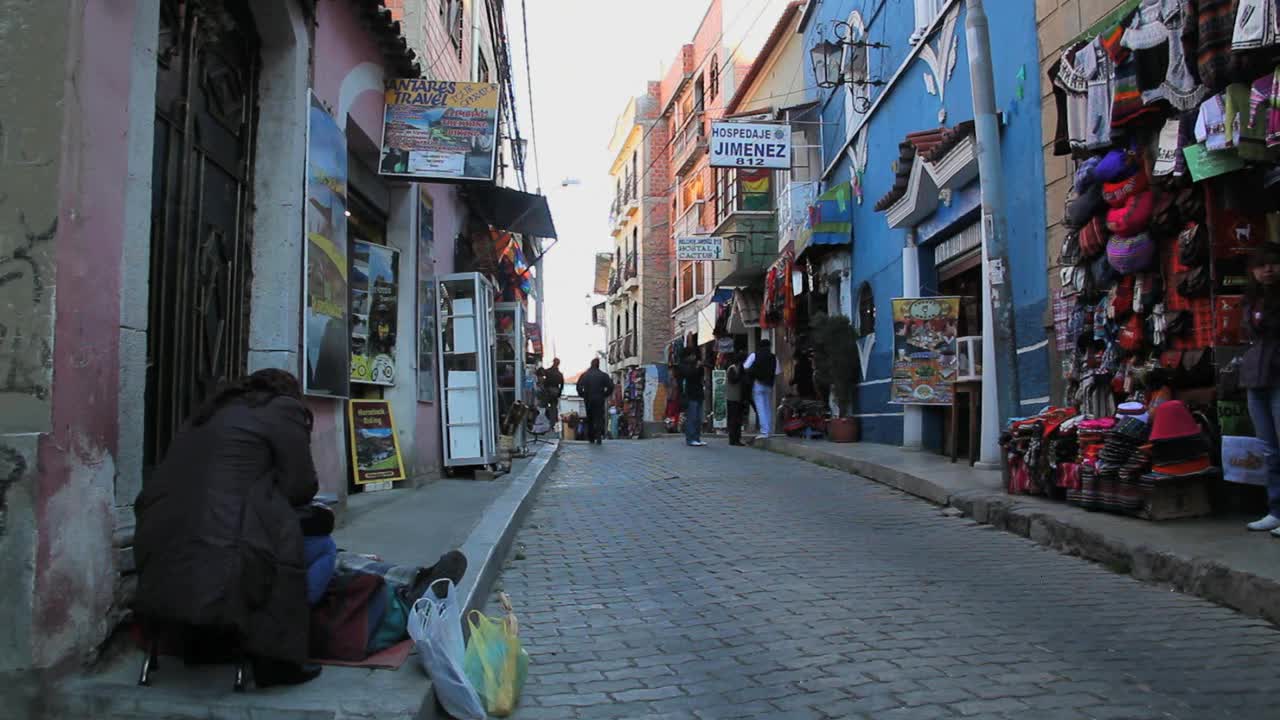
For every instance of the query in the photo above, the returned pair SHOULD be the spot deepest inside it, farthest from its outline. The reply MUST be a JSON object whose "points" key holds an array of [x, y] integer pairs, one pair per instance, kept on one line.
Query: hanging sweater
{"points": [[1155, 34], [1208, 37]]}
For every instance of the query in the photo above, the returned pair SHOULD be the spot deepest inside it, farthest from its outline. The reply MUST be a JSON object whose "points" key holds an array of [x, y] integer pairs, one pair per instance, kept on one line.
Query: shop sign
{"points": [[374, 445], [750, 145], [1205, 163], [699, 247], [440, 130], [719, 398], [925, 358], [426, 298], [724, 345], [375, 271], [325, 328]]}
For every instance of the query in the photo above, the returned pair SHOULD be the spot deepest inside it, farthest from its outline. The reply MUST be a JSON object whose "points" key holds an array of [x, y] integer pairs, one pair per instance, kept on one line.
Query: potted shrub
{"points": [[835, 359]]}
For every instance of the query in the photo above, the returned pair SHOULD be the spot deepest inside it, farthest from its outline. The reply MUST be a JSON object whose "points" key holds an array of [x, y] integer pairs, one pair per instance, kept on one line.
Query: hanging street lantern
{"points": [[826, 57]]}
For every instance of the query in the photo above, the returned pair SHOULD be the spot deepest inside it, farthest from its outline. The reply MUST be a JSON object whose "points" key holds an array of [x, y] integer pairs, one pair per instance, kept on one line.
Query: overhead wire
{"points": [[528, 79]]}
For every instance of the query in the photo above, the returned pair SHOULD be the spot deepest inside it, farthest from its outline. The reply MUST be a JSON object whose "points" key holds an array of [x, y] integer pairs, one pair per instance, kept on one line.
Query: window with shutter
{"points": [[926, 12]]}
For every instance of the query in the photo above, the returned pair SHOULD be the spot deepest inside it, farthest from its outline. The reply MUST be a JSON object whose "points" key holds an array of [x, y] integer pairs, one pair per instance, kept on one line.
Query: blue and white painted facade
{"points": [[927, 73]]}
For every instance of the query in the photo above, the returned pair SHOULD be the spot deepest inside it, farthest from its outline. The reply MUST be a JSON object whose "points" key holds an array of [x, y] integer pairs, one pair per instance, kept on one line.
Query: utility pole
{"points": [[1000, 331]]}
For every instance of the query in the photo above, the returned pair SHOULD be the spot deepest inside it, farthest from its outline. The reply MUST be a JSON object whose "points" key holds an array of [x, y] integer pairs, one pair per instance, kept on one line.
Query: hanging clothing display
{"points": [[1181, 116]]}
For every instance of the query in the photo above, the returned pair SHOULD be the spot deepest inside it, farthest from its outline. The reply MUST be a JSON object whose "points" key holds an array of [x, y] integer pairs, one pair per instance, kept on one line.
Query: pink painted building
{"points": [[152, 235]]}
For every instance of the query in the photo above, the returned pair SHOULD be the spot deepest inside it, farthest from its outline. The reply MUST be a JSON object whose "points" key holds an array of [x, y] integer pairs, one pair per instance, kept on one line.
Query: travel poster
{"points": [[375, 451], [426, 299], [924, 350], [440, 130], [325, 327], [374, 286]]}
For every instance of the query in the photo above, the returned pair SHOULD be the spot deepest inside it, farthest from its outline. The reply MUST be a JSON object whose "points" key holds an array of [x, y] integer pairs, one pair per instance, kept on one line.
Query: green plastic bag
{"points": [[495, 663]]}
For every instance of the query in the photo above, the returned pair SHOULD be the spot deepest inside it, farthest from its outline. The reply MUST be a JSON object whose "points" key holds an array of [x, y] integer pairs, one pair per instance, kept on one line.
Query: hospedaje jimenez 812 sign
{"points": [[750, 145]]}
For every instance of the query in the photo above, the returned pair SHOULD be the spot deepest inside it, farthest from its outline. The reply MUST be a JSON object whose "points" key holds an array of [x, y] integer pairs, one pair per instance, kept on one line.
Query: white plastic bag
{"points": [[1244, 460], [436, 628]]}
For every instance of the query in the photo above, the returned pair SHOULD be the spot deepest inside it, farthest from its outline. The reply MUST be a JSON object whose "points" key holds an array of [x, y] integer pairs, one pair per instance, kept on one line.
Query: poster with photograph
{"points": [[440, 130], [924, 350], [375, 272], [719, 399], [374, 448], [325, 329], [426, 298]]}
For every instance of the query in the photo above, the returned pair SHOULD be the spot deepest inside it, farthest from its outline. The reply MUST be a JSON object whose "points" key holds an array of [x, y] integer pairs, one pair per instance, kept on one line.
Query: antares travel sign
{"points": [[750, 145]]}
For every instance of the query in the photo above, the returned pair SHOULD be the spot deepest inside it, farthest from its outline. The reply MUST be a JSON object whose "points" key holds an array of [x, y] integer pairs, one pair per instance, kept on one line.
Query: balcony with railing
{"points": [[629, 349], [615, 282], [630, 272], [630, 196], [690, 139], [744, 197]]}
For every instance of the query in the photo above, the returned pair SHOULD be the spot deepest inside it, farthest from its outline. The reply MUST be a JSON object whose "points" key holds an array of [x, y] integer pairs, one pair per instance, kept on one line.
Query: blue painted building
{"points": [[907, 148]]}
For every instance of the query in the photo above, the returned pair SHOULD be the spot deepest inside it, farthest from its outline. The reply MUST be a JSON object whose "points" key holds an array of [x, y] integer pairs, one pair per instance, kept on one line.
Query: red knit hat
{"points": [[1133, 217], [1173, 420]]}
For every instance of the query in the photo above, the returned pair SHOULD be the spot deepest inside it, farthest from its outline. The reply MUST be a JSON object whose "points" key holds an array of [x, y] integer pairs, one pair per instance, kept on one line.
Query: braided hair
{"points": [[257, 390]]}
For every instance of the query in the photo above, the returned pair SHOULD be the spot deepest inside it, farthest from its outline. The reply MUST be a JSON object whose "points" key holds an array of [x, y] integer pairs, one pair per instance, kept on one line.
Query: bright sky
{"points": [[588, 58]]}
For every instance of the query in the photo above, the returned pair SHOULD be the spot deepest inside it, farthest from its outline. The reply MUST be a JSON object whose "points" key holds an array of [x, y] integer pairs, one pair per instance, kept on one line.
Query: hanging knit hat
{"points": [[1086, 174], [1116, 194], [1116, 166], [1093, 238], [1131, 254], [1173, 421], [1084, 207], [1134, 217]]}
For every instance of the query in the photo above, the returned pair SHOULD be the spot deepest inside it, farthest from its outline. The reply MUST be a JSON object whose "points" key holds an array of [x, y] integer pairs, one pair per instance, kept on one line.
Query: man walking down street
{"points": [[763, 369], [595, 387], [552, 389], [735, 392], [690, 375]]}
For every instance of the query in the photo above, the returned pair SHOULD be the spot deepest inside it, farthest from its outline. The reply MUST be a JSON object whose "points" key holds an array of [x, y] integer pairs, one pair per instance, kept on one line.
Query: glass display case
{"points": [[509, 330], [468, 381]]}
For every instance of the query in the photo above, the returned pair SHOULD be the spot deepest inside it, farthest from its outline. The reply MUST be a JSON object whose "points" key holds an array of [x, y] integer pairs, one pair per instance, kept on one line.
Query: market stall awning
{"points": [[743, 277], [746, 310], [512, 210], [830, 219]]}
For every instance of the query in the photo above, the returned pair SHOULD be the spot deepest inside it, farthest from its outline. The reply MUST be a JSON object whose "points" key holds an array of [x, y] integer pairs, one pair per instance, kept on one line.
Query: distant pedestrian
{"points": [[737, 390], [763, 369], [595, 387], [691, 378]]}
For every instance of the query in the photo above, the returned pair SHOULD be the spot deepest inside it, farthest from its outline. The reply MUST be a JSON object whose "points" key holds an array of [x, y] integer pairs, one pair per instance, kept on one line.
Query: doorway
{"points": [[962, 277], [201, 210]]}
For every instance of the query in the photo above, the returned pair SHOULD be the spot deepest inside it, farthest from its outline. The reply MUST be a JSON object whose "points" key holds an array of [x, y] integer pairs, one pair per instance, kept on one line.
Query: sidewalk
{"points": [[1214, 558], [412, 526]]}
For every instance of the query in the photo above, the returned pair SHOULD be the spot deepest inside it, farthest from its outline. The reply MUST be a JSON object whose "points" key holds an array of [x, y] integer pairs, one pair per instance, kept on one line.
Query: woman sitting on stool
{"points": [[219, 544]]}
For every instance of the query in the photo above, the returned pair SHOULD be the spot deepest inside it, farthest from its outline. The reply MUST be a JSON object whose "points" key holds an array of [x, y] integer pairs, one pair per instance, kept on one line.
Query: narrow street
{"points": [[657, 580]]}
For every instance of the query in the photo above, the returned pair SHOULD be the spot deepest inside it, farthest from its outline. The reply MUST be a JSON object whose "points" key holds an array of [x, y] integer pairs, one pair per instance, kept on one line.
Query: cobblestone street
{"points": [[657, 580]]}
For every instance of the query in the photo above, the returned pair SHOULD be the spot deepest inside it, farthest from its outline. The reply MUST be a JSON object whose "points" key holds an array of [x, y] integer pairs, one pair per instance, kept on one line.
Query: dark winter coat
{"points": [[1260, 366], [218, 541], [691, 377], [595, 386]]}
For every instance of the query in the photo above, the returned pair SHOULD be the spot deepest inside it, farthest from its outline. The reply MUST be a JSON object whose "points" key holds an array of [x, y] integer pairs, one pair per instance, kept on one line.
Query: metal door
{"points": [[201, 209]]}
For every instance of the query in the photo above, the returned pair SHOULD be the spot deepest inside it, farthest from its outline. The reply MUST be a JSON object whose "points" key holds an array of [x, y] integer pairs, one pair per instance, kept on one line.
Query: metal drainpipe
{"points": [[995, 225]]}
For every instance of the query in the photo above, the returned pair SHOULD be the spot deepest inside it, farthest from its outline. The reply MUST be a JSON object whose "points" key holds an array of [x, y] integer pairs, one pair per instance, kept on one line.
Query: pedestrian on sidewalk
{"points": [[594, 387], [763, 369], [1260, 370], [735, 393], [691, 377]]}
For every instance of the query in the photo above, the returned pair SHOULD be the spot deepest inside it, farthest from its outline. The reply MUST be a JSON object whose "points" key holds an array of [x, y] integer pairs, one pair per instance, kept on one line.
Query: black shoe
{"points": [[452, 565], [269, 672]]}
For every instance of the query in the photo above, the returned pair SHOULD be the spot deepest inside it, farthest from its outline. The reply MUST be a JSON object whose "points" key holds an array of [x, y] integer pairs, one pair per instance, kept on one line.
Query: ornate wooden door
{"points": [[201, 209]]}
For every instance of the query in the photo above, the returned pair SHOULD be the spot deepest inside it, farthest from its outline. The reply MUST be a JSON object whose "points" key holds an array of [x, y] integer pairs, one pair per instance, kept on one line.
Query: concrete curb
{"points": [[489, 543], [487, 546], [1246, 592]]}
